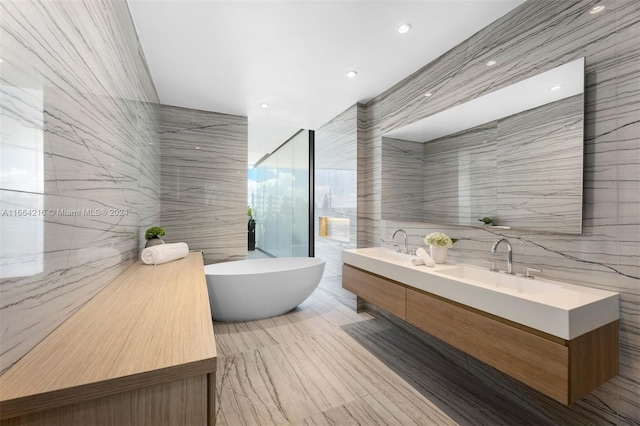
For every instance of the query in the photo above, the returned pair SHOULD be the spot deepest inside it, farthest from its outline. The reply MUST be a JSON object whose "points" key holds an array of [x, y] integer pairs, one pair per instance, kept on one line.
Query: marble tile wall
{"points": [[535, 37], [79, 154], [204, 181], [336, 184]]}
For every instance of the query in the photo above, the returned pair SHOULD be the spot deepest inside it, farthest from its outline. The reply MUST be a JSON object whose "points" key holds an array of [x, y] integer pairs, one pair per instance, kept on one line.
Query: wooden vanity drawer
{"points": [[534, 360], [388, 295]]}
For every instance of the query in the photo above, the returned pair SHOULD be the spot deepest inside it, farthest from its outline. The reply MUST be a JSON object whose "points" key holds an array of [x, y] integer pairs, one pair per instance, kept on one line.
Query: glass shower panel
{"points": [[270, 205], [258, 204], [285, 203], [282, 199], [300, 216]]}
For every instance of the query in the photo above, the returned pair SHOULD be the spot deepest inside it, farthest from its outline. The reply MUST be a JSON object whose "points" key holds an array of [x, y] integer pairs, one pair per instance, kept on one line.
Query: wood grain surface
{"points": [[386, 294], [157, 405], [594, 359], [541, 364], [151, 325]]}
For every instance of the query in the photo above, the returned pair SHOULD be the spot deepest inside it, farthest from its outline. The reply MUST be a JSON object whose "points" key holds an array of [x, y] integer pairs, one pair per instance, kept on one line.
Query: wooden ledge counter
{"points": [[149, 329]]}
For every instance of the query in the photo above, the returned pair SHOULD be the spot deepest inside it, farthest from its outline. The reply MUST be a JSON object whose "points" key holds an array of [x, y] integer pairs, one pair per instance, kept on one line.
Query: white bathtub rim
{"points": [[253, 266]]}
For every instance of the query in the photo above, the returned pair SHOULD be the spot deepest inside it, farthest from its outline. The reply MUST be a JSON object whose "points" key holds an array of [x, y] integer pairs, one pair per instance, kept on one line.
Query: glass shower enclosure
{"points": [[280, 198]]}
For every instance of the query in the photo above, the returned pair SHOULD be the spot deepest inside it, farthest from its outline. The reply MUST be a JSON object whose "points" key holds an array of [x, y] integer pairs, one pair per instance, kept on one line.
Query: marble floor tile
{"points": [[325, 364], [374, 409]]}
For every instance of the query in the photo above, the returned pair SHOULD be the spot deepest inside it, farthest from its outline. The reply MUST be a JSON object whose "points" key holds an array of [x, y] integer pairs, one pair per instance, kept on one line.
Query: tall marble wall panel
{"points": [[204, 181], [535, 37], [80, 156], [370, 176], [336, 187]]}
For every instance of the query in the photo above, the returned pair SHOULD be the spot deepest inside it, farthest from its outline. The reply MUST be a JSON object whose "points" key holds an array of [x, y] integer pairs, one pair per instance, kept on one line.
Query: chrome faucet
{"points": [[509, 253], [406, 243]]}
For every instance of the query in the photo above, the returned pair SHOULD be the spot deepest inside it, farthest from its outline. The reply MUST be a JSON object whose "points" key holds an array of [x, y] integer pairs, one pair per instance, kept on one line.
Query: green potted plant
{"points": [[251, 229], [153, 234], [486, 220]]}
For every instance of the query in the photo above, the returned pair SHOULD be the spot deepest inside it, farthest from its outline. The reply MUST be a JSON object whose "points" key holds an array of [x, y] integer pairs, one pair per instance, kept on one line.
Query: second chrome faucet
{"points": [[509, 253]]}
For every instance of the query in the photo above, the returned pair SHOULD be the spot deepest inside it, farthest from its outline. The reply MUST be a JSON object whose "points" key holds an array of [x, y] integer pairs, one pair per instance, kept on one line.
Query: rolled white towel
{"points": [[164, 253], [416, 260], [422, 254]]}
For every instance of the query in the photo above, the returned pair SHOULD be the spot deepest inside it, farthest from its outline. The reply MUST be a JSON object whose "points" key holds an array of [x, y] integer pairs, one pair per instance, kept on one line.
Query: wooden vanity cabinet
{"points": [[564, 370]]}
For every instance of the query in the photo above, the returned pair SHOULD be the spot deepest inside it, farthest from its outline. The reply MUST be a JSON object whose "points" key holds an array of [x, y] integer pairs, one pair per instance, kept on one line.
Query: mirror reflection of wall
{"points": [[21, 181], [523, 170]]}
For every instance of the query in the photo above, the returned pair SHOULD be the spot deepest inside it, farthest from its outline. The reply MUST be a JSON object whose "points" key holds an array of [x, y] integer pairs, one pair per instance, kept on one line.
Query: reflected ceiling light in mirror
{"points": [[517, 97], [404, 28], [596, 9], [557, 87], [264, 105], [491, 63], [351, 74]]}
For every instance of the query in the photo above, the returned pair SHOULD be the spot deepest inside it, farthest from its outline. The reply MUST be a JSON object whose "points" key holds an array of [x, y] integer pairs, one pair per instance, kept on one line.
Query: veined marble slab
{"points": [[336, 184], [204, 181], [80, 159]]}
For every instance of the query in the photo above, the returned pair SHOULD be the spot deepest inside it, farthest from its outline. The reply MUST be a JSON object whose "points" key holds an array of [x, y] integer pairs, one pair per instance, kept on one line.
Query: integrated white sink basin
{"points": [[560, 309], [390, 255], [500, 281]]}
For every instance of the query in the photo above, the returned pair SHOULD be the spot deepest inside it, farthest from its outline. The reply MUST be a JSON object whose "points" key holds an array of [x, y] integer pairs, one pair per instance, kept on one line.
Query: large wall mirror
{"points": [[514, 155]]}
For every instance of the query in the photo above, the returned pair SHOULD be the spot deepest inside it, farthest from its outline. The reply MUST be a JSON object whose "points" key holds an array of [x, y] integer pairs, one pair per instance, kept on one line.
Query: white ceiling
{"points": [[231, 56]]}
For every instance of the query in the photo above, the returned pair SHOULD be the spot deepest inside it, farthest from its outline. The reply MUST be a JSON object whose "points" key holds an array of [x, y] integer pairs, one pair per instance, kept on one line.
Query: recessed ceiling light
{"points": [[404, 28], [596, 9], [558, 87], [426, 95], [264, 105], [351, 74], [197, 147], [491, 63]]}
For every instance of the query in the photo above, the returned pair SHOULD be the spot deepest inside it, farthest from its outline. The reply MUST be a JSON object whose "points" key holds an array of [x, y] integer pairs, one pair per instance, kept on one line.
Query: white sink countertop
{"points": [[561, 309]]}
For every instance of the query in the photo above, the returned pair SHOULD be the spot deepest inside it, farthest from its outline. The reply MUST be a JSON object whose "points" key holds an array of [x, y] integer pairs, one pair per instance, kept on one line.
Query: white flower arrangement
{"points": [[438, 239]]}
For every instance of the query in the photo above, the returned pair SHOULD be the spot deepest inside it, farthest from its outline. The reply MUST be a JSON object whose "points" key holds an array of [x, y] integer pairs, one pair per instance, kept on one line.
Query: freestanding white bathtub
{"points": [[260, 288]]}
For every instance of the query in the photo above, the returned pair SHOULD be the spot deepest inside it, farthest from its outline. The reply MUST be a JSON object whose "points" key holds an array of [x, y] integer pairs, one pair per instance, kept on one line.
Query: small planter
{"points": [[251, 235], [439, 254], [252, 240], [154, 242]]}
